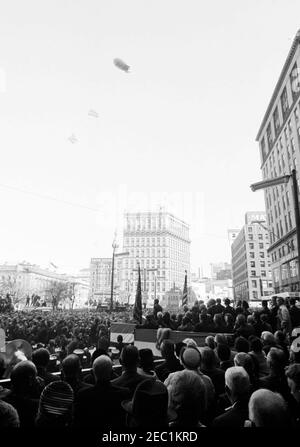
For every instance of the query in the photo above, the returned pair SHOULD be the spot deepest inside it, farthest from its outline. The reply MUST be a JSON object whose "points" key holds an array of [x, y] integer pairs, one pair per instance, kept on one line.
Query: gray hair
{"points": [[267, 409], [237, 380]]}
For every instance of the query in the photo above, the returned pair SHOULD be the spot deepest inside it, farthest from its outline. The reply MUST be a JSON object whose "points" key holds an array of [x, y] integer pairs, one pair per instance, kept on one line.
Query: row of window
{"points": [[282, 251], [281, 111], [261, 254]]}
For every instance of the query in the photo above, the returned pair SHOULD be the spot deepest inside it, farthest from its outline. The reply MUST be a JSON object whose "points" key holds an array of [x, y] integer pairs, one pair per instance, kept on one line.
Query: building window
{"points": [[254, 295], [261, 245], [262, 263], [264, 151], [254, 283], [253, 272], [295, 80], [251, 254], [269, 136], [250, 237], [284, 103], [252, 264], [260, 237], [261, 254], [251, 246], [263, 273], [276, 121]]}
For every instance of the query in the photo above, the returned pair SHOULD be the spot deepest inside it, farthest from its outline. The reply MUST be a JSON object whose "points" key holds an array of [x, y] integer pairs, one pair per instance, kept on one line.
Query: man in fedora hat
{"points": [[149, 406], [99, 406]]}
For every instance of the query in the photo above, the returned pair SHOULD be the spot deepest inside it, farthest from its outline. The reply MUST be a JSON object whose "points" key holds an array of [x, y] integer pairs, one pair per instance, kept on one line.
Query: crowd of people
{"points": [[246, 375], [6, 304]]}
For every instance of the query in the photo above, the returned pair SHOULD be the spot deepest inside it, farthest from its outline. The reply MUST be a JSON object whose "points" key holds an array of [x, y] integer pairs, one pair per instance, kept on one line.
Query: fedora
{"points": [[150, 402]]}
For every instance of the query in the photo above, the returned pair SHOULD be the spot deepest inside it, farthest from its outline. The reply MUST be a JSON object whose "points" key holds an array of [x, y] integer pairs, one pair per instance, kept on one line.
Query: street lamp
{"points": [[114, 246], [278, 181]]}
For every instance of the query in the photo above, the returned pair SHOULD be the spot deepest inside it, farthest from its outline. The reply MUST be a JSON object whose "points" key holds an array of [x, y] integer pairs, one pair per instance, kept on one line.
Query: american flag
{"points": [[137, 311], [185, 292]]}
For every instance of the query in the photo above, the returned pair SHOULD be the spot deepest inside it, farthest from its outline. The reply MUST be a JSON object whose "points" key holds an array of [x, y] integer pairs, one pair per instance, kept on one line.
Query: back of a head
{"points": [[276, 359], [292, 372], [246, 361], [146, 358], [219, 339], [237, 380], [279, 337], [102, 368], [268, 409], [241, 319], [167, 349], [241, 344], [210, 342], [129, 357], [218, 319], [223, 352], [41, 357], [23, 375], [256, 344], [208, 358], [188, 394], [267, 337], [71, 366], [190, 358]]}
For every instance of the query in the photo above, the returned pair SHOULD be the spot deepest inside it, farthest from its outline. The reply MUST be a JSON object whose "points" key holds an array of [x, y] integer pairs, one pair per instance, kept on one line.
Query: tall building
{"points": [[251, 273], [232, 234], [279, 143], [100, 279], [160, 243]]}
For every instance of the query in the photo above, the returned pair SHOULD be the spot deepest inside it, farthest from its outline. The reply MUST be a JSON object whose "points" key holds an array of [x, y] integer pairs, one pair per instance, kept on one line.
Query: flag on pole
{"points": [[137, 311], [185, 292]]}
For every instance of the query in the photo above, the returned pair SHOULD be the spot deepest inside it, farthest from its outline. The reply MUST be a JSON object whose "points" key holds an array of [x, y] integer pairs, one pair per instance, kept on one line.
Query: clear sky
{"points": [[178, 131]]}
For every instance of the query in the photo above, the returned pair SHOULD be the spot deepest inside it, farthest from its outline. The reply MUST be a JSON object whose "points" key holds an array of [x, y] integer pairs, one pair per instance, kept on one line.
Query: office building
{"points": [[279, 139], [251, 273], [160, 243]]}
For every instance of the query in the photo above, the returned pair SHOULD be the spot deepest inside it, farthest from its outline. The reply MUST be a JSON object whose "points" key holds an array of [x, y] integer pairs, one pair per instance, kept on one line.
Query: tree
{"points": [[9, 286], [58, 292]]}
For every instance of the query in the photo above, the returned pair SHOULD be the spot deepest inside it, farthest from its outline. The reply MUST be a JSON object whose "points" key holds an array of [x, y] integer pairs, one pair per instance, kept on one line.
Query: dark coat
{"points": [[128, 379], [100, 407], [26, 407], [167, 367], [234, 417]]}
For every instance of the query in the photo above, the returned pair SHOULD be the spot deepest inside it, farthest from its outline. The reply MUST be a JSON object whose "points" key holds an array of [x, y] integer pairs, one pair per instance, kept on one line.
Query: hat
{"points": [[150, 402], [57, 398], [190, 357], [296, 332]]}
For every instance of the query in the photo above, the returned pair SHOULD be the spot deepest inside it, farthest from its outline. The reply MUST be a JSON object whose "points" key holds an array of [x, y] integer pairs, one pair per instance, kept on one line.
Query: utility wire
{"points": [[43, 196]]}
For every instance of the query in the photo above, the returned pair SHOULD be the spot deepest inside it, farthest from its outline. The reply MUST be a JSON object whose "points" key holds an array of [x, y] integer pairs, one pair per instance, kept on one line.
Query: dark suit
{"points": [[129, 379], [26, 407], [167, 367], [100, 407], [235, 416]]}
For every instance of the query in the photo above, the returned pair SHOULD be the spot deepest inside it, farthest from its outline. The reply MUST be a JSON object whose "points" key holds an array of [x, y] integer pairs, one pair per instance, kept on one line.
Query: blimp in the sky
{"points": [[121, 65]]}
